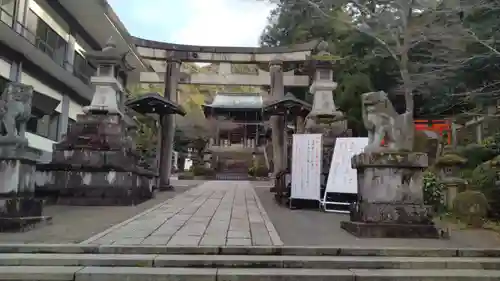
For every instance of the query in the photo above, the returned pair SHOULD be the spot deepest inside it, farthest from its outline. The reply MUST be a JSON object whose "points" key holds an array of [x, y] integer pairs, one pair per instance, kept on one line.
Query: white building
{"points": [[43, 44]]}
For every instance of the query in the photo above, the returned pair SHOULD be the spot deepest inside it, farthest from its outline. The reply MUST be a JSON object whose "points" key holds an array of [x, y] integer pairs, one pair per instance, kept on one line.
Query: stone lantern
{"points": [[97, 163], [323, 109], [324, 117], [449, 166], [109, 80]]}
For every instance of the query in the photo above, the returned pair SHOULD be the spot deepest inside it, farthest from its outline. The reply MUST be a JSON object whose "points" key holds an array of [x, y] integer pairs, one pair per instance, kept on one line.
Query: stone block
{"points": [[471, 252], [238, 234], [141, 274], [390, 230], [258, 274], [428, 274], [390, 197], [395, 252], [76, 260], [41, 273], [49, 248], [181, 240], [254, 250], [129, 241], [392, 212], [309, 251], [213, 240], [239, 242], [219, 261], [20, 214]]}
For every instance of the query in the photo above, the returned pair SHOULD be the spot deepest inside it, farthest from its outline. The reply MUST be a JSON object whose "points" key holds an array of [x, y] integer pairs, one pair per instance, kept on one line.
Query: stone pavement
{"points": [[216, 213]]}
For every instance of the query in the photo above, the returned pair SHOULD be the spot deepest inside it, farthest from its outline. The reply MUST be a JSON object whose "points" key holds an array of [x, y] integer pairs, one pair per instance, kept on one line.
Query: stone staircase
{"points": [[109, 263]]}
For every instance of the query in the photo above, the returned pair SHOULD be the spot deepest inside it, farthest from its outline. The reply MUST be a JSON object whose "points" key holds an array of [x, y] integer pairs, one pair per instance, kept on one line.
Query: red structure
{"points": [[443, 127]]}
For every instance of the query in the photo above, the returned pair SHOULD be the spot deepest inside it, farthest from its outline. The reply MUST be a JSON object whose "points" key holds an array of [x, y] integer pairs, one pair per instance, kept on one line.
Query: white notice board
{"points": [[342, 178], [306, 166]]}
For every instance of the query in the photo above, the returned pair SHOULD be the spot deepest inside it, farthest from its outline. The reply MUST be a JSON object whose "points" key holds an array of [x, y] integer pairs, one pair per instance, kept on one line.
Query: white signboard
{"points": [[306, 166], [342, 178]]}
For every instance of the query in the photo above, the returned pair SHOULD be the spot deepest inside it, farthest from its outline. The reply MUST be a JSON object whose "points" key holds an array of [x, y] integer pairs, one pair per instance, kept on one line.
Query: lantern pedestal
{"points": [[97, 162]]}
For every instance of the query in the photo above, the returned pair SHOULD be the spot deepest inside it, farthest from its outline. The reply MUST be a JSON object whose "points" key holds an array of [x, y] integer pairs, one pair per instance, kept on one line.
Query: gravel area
{"points": [[73, 224], [314, 227]]}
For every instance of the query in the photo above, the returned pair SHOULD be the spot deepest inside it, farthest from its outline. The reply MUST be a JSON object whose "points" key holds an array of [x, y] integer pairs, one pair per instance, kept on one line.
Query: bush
{"points": [[475, 154], [186, 176], [259, 171], [484, 179], [433, 192], [202, 171], [471, 207], [492, 143]]}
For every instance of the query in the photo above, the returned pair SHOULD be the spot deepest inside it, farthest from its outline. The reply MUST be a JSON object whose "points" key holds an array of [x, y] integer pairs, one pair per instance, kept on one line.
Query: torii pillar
{"points": [[167, 123], [278, 122]]}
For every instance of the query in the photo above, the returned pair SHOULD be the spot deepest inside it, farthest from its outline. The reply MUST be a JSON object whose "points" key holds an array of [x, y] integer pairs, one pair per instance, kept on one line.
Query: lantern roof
{"points": [[109, 55]]}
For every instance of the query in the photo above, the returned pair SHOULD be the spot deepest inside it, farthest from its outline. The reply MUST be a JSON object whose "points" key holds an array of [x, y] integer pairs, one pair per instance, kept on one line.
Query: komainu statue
{"points": [[383, 123], [15, 110]]}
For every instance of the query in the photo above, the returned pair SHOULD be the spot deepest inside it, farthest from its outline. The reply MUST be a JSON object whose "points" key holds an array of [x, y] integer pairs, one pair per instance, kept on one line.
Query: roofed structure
{"points": [[235, 101], [155, 103], [288, 104]]}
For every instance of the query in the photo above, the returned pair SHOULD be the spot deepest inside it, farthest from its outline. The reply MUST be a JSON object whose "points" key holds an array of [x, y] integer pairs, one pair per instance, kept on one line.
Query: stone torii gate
{"points": [[279, 67]]}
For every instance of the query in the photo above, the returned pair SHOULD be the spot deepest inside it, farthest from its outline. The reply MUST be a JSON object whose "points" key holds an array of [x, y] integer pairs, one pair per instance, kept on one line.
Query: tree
{"points": [[429, 42], [199, 130]]}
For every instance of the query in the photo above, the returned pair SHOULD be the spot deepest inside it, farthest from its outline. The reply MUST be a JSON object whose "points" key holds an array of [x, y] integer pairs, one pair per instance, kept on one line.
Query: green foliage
{"points": [[492, 143], [450, 71], [258, 171], [475, 154], [471, 207], [484, 176], [450, 159], [200, 170], [433, 192]]}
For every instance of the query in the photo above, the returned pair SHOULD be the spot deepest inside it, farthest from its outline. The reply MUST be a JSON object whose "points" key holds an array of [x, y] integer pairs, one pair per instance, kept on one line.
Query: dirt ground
{"points": [[73, 224]]}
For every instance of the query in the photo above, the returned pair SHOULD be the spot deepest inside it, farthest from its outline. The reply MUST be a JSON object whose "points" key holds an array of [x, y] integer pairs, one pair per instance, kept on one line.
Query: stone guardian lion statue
{"points": [[15, 110], [383, 123]]}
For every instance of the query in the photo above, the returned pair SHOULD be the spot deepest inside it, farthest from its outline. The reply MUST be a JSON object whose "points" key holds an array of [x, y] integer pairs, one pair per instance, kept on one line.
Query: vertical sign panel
{"points": [[306, 166], [342, 178]]}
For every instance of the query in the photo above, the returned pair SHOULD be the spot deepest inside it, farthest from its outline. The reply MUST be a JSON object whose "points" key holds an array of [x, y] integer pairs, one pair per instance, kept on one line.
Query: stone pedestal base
{"points": [[96, 188], [390, 230], [19, 210], [390, 197], [167, 187], [21, 214]]}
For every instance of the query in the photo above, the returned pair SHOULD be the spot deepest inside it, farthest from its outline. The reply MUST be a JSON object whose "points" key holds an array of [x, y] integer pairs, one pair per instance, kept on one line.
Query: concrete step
{"points": [[72, 273], [241, 261], [251, 250]]}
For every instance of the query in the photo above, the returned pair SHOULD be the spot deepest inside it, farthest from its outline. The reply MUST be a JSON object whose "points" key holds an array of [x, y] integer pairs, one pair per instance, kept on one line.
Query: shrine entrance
{"points": [[279, 69]]}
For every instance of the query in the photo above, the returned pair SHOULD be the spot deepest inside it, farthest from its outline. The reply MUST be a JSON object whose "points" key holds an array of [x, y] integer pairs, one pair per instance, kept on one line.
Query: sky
{"points": [[195, 22]]}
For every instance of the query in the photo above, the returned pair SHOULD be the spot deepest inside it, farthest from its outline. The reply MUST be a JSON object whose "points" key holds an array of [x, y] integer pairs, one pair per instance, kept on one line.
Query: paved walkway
{"points": [[216, 213]]}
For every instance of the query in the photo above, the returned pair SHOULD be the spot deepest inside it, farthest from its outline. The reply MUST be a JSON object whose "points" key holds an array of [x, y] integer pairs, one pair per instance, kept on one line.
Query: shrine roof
{"points": [[155, 103], [236, 101], [288, 101]]}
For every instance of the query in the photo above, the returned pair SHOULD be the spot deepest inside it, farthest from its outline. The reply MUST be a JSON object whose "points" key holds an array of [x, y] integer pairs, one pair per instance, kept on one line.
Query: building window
{"points": [[43, 125], [82, 69], [46, 39], [3, 84], [71, 122], [7, 8]]}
